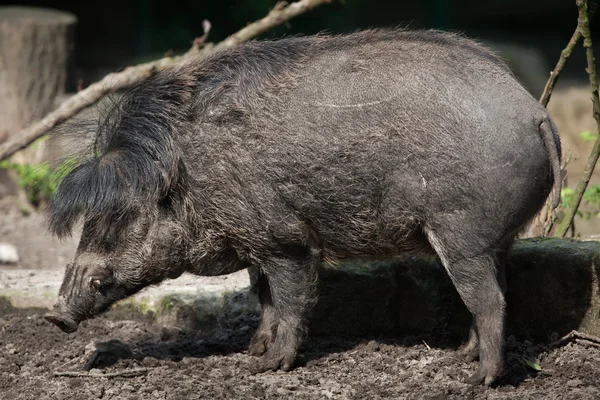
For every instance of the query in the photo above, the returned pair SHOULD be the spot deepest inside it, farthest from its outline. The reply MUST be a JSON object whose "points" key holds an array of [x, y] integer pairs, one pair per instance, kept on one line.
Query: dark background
{"points": [[114, 33]]}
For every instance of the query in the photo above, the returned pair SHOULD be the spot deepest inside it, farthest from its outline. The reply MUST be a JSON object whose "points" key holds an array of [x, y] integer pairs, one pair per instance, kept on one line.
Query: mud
{"points": [[186, 364]]}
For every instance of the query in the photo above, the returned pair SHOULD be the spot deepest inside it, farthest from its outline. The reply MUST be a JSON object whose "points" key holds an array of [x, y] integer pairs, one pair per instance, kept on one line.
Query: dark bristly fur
{"points": [[134, 157], [282, 154]]}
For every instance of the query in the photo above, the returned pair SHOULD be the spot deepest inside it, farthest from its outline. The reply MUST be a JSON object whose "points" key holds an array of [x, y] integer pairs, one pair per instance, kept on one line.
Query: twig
{"points": [[282, 12], [587, 343], [546, 223], [591, 338], [199, 41], [584, 26], [565, 339], [554, 75], [126, 373], [575, 335]]}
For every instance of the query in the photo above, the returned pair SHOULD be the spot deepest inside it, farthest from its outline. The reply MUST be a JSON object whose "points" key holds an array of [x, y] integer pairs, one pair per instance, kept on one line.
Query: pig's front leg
{"points": [[265, 334], [288, 289]]}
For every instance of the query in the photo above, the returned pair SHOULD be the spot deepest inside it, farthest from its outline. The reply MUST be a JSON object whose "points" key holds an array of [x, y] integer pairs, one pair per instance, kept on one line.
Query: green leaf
{"points": [[532, 365], [588, 136], [566, 195], [592, 194], [40, 181]]}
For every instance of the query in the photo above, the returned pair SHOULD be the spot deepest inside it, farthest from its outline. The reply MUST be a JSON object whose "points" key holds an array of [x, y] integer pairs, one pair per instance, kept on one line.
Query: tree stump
{"points": [[36, 45]]}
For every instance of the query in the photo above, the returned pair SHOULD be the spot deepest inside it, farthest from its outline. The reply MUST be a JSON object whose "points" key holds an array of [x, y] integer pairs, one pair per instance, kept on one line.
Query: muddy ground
{"points": [[184, 364]]}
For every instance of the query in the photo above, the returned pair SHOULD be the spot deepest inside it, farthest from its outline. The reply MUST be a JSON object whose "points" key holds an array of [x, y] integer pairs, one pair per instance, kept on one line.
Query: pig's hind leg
{"points": [[470, 349], [478, 277], [292, 284]]}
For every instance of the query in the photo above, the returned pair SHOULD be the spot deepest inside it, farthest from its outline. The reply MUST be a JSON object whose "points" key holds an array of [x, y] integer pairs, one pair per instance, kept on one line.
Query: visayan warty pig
{"points": [[282, 154]]}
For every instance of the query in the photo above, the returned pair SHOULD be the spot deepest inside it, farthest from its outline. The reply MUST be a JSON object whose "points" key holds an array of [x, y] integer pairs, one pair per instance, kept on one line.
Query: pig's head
{"points": [[110, 266], [130, 194]]}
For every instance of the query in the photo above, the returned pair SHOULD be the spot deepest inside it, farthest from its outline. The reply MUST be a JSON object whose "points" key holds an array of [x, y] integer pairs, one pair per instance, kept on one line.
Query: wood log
{"points": [[36, 45]]}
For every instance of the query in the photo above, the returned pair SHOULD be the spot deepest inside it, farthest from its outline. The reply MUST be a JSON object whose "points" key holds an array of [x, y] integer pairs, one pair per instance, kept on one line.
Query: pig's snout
{"points": [[63, 321]]}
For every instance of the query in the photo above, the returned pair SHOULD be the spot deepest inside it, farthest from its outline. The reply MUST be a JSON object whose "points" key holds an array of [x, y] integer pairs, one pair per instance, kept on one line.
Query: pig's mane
{"points": [[133, 159]]}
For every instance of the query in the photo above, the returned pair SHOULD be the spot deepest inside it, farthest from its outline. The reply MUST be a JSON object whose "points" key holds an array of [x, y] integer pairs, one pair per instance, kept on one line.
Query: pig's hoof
{"points": [[487, 376], [273, 362], [259, 345]]}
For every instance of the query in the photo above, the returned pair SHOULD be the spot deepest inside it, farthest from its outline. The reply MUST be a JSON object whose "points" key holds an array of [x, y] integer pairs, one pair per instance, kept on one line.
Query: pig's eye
{"points": [[101, 279], [95, 282]]}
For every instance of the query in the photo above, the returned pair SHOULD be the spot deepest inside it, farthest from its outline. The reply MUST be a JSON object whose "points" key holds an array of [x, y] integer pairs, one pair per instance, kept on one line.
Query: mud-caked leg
{"points": [[292, 284], [265, 334]]}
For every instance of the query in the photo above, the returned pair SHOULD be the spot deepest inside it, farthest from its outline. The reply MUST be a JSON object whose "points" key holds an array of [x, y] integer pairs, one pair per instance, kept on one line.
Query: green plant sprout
{"points": [[40, 181], [591, 196], [588, 136]]}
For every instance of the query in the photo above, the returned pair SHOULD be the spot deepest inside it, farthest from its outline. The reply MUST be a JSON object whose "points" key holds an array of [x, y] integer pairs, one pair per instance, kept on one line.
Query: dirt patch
{"points": [[36, 247], [186, 364]]}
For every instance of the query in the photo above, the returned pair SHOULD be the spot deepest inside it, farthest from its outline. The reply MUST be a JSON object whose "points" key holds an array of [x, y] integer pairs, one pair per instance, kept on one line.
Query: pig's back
{"points": [[421, 108], [365, 136], [400, 87]]}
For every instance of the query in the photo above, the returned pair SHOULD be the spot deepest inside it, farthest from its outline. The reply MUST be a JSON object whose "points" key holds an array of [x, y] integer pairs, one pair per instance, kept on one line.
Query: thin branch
{"points": [[562, 61], [548, 216], [126, 373], [554, 75], [584, 27], [282, 12], [588, 343], [575, 336]]}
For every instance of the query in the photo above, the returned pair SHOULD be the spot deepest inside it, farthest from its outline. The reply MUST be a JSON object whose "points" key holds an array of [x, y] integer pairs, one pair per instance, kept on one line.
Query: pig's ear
{"points": [[101, 278]]}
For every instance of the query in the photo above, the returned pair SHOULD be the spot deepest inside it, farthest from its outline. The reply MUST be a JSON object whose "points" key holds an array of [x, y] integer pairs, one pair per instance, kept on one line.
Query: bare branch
{"points": [[584, 26], [573, 336], [126, 373], [282, 12], [564, 56], [547, 218]]}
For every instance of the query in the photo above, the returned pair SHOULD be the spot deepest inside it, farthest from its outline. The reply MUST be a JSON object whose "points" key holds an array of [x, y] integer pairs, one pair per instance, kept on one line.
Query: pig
{"points": [[278, 155]]}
